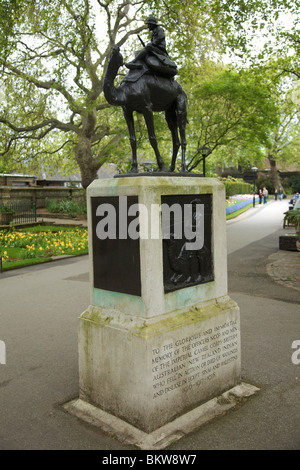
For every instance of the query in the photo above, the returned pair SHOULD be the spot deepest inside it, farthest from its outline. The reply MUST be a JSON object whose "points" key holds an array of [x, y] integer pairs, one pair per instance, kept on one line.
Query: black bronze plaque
{"points": [[116, 256], [187, 251]]}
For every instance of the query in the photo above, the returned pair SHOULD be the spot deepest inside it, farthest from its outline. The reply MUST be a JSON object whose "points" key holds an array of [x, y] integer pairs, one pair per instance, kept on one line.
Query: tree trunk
{"points": [[274, 172], [85, 161], [83, 150], [219, 170]]}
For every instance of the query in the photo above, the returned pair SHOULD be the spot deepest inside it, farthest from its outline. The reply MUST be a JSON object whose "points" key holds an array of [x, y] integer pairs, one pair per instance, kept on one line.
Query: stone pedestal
{"points": [[161, 338]]}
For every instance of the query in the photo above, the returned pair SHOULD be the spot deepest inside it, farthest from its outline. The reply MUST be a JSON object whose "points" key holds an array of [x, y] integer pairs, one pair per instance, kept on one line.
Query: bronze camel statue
{"points": [[146, 92]]}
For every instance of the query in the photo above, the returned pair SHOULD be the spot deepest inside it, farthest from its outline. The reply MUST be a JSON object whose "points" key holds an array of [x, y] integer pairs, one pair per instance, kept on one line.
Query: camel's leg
{"points": [[172, 124], [148, 116], [132, 137], [181, 121]]}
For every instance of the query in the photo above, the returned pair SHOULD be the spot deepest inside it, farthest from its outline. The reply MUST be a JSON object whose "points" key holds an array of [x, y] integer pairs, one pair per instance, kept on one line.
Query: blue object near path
{"points": [[239, 205]]}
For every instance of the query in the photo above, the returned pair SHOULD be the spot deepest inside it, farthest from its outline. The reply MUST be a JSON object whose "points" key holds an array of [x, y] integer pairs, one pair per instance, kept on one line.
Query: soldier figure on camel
{"points": [[149, 87], [154, 55]]}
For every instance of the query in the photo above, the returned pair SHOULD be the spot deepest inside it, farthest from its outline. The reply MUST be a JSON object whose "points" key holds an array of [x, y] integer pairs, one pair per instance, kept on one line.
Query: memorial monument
{"points": [[159, 345]]}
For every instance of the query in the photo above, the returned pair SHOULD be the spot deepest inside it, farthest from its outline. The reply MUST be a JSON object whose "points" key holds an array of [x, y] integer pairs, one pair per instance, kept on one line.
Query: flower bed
{"points": [[235, 203], [22, 247]]}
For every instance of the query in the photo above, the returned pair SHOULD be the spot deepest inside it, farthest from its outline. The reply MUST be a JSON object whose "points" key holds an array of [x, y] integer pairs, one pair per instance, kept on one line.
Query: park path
{"points": [[255, 224]]}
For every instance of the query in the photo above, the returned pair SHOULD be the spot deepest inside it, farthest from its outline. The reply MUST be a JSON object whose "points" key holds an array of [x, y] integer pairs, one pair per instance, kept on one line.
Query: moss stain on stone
{"points": [[95, 316], [165, 323], [176, 321]]}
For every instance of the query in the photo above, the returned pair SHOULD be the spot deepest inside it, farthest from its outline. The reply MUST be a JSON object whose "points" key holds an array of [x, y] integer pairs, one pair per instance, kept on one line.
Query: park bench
{"points": [[291, 217], [287, 220]]}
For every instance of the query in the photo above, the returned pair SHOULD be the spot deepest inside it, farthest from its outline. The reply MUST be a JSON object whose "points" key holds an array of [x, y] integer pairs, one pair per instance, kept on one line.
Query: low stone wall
{"points": [[10, 194], [288, 242]]}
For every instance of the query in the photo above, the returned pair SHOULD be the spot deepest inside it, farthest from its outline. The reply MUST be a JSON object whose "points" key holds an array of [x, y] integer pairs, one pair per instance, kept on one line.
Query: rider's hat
{"points": [[151, 20]]}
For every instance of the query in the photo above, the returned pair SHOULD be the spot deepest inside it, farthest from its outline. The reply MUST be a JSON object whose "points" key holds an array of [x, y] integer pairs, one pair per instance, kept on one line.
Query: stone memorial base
{"points": [[159, 346], [170, 432]]}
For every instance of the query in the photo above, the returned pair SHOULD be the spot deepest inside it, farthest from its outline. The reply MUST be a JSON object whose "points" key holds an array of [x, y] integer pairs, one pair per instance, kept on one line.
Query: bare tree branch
{"points": [[48, 123]]}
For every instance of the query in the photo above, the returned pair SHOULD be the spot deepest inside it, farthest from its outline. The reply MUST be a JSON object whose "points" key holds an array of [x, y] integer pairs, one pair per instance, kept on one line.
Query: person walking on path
{"points": [[280, 193], [260, 195], [265, 194]]}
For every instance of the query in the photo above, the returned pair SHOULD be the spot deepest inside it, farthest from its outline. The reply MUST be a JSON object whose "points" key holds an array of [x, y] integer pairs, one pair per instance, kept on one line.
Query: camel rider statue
{"points": [[154, 54]]}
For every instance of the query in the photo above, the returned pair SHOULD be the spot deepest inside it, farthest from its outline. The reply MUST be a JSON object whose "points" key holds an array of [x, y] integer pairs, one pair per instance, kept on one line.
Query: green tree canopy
{"points": [[233, 110], [284, 144], [54, 56]]}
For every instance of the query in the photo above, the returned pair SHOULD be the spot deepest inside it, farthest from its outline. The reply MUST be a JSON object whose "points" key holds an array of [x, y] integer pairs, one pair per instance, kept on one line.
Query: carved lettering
{"points": [[192, 360]]}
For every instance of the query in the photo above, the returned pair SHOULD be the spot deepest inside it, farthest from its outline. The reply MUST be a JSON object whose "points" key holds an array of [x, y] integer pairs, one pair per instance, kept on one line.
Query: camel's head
{"points": [[116, 56]]}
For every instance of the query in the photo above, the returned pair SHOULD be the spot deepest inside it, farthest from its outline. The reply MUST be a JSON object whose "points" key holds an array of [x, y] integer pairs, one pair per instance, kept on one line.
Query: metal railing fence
{"points": [[17, 212]]}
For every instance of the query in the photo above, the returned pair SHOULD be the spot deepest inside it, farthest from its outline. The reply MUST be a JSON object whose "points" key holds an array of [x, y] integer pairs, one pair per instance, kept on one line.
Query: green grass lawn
{"points": [[48, 228]]}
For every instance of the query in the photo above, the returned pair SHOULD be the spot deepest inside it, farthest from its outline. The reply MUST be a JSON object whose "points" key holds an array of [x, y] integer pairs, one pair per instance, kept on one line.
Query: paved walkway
{"points": [[257, 223], [284, 268], [53, 220], [39, 312]]}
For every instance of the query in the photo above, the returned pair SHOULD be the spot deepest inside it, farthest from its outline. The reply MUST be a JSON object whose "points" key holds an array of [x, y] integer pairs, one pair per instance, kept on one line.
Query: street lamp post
{"points": [[254, 169], [205, 151]]}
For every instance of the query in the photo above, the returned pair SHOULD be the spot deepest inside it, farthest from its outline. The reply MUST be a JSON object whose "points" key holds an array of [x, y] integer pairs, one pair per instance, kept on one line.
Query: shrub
{"points": [[66, 206], [237, 186], [6, 210], [295, 183]]}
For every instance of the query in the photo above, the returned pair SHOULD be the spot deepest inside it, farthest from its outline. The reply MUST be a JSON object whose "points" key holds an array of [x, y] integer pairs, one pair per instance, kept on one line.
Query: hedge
{"points": [[237, 187]]}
